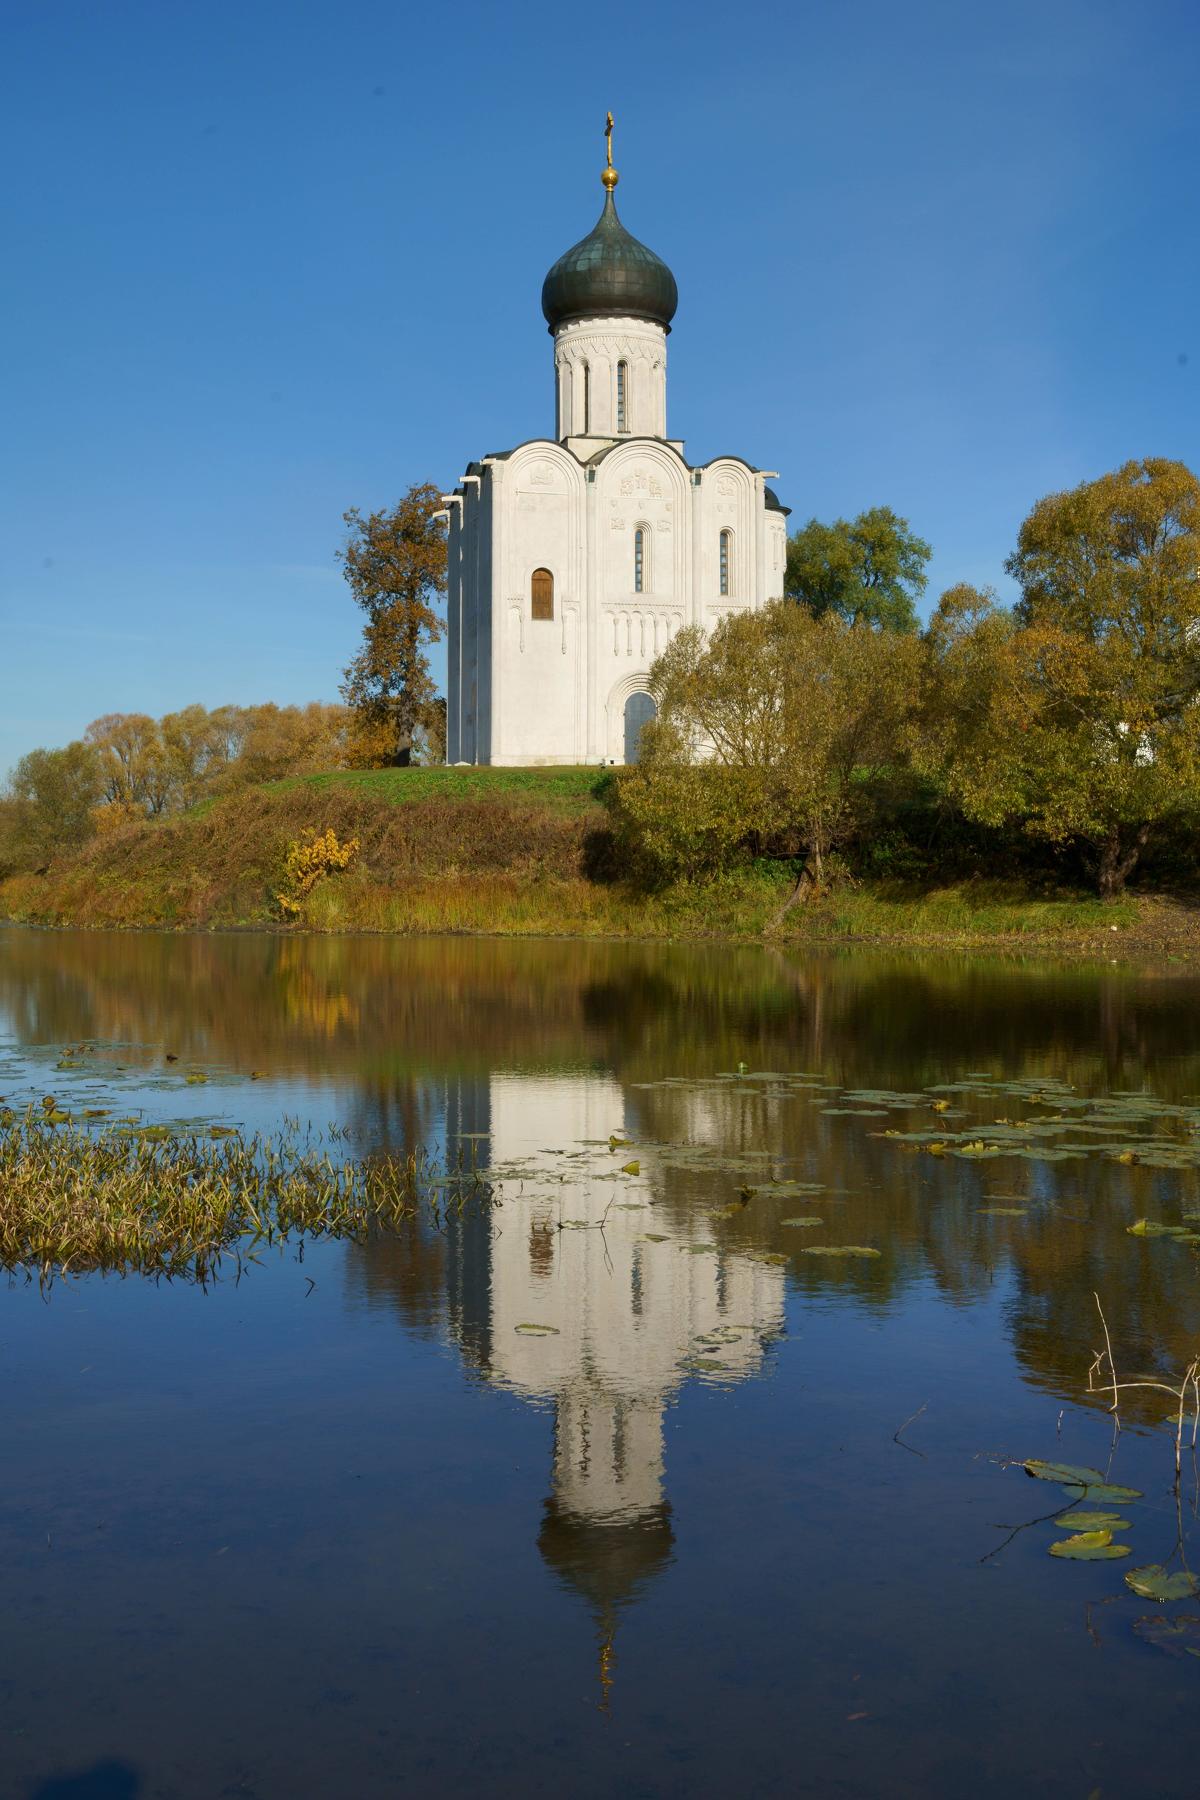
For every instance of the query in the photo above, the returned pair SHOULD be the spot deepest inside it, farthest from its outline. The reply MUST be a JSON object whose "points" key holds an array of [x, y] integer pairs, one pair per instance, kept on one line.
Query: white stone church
{"points": [[574, 560]]}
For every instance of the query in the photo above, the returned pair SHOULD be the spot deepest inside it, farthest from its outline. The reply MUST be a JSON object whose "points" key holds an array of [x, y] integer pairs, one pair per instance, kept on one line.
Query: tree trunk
{"points": [[807, 884], [1114, 865]]}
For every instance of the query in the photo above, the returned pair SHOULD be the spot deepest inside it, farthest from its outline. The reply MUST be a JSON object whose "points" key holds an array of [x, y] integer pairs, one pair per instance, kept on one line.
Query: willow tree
{"points": [[395, 564], [768, 735], [1078, 715]]}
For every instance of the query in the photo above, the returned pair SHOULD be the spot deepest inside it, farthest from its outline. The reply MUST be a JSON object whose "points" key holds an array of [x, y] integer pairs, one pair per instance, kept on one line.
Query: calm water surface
{"points": [[348, 1527]]}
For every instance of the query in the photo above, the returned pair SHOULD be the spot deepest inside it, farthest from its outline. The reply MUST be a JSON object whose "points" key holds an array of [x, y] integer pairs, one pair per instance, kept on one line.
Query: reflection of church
{"points": [[574, 560], [607, 1324]]}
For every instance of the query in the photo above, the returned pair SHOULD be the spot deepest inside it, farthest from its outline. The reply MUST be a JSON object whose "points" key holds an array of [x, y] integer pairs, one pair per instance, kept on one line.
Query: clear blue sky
{"points": [[265, 261]]}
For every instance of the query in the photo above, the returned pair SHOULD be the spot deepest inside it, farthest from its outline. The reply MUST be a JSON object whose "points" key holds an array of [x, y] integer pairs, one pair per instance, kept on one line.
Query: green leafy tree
{"points": [[869, 571], [768, 737], [1079, 714], [395, 564]]}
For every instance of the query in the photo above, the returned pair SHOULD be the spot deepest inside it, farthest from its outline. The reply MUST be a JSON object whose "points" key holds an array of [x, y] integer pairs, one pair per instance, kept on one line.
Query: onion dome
{"points": [[608, 273]]}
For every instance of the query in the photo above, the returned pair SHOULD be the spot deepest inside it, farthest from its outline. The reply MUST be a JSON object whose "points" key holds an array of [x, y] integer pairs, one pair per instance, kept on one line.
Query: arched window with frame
{"points": [[587, 399], [641, 560], [541, 594], [726, 564], [622, 396]]}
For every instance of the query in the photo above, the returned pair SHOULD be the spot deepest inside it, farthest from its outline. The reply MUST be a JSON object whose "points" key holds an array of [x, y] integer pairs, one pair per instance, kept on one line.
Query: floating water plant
{"points": [[1089, 1546], [1153, 1582], [838, 1250]]}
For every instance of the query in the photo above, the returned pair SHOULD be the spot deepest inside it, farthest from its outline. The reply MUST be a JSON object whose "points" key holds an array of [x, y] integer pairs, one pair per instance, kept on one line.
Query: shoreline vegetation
{"points": [[131, 1198], [532, 852]]}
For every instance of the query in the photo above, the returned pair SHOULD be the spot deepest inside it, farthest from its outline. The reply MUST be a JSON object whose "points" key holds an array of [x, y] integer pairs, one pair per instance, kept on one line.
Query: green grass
{"points": [[569, 789], [965, 910]]}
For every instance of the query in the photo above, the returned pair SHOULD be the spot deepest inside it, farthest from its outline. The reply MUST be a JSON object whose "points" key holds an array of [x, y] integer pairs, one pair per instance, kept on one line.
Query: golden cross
{"points": [[608, 139]]}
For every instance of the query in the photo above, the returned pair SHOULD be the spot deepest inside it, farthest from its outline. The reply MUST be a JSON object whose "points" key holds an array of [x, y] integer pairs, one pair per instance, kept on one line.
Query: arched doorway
{"points": [[639, 710]]}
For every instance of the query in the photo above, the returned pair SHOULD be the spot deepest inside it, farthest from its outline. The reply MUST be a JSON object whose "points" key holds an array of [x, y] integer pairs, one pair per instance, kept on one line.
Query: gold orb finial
{"points": [[608, 174]]}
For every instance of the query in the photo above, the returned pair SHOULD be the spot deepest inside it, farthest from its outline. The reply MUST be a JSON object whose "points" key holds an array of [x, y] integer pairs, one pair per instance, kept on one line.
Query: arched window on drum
{"points": [[541, 594], [642, 541], [726, 561]]}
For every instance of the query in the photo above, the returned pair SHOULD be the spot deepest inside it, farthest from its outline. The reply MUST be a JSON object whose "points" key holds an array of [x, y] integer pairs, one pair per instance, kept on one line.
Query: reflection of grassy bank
{"points": [[519, 853], [144, 1201]]}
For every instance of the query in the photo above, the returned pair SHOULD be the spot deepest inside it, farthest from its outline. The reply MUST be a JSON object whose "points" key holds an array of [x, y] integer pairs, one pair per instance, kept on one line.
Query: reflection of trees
{"points": [[410, 1029]]}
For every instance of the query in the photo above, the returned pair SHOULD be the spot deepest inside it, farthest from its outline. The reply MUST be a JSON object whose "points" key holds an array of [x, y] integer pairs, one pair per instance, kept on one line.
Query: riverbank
{"points": [[526, 852]]}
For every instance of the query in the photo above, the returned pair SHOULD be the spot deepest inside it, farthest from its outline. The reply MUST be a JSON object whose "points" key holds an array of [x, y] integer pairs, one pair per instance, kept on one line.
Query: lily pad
{"points": [[1003, 1212], [802, 1222], [1089, 1546], [652, 1237], [838, 1250], [1153, 1582], [1104, 1491], [1063, 1472], [1092, 1521], [699, 1249], [1178, 1637], [631, 1168], [537, 1330]]}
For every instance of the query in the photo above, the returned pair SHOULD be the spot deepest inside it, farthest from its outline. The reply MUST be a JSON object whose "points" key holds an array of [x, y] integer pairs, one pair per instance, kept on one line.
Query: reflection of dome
{"points": [[608, 273], [608, 1558]]}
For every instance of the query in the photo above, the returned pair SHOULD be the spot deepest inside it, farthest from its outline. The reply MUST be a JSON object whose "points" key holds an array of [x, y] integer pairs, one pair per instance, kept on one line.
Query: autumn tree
{"points": [[133, 760], [868, 571], [49, 804], [395, 564], [769, 734], [1078, 715], [291, 740]]}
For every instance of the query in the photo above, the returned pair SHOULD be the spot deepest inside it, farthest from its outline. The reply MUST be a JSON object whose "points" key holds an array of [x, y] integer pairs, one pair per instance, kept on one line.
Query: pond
{"points": [[690, 1465]]}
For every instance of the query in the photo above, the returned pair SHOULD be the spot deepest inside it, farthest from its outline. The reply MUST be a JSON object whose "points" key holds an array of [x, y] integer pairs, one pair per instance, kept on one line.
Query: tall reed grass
{"points": [[140, 1201]]}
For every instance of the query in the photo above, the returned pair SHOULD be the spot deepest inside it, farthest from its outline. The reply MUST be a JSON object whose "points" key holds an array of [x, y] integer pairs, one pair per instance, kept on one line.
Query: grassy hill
{"points": [[516, 852], [572, 789]]}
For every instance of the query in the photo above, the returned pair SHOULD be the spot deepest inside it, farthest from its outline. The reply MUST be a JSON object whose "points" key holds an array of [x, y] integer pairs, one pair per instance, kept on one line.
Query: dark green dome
{"points": [[609, 273]]}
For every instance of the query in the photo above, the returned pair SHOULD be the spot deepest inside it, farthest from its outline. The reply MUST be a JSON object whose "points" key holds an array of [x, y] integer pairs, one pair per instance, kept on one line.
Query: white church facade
{"points": [[574, 560]]}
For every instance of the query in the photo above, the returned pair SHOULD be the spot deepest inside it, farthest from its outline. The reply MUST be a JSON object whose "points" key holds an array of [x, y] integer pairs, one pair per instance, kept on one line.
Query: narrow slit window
{"points": [[622, 386], [587, 399], [639, 560], [726, 560], [541, 595]]}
